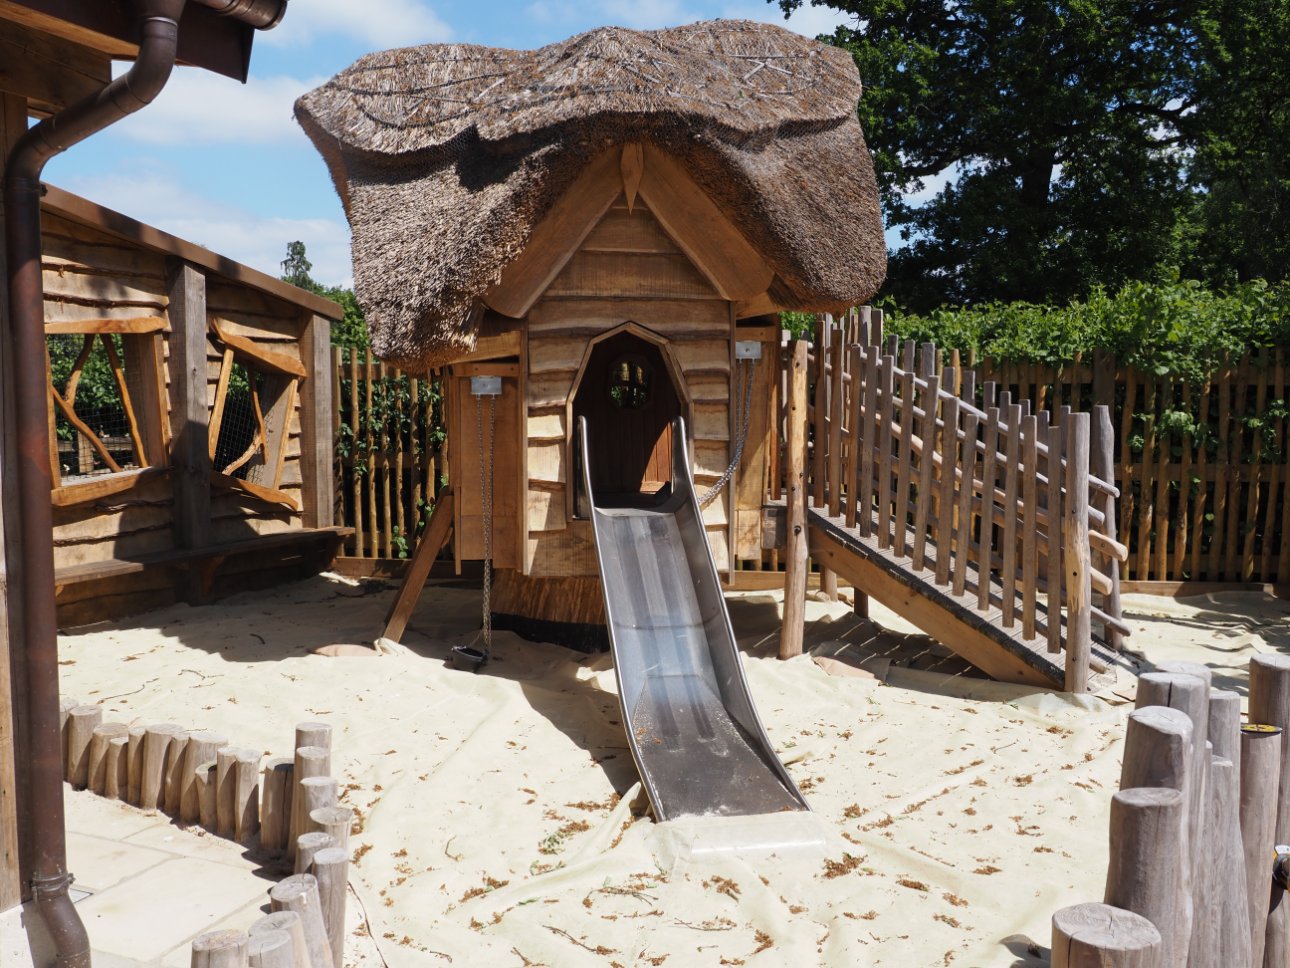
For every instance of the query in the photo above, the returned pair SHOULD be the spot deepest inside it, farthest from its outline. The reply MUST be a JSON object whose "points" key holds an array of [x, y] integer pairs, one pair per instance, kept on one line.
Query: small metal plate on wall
{"points": [[747, 349], [486, 386]]}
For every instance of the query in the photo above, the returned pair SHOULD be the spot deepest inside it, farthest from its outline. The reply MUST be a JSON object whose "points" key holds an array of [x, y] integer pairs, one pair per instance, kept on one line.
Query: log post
{"points": [[176, 780], [289, 922], [96, 768], [202, 748], [1103, 467], [225, 780], [116, 782], [1101, 936], [307, 845], [220, 949], [1189, 694], [1260, 762], [1269, 703], [311, 761], [275, 814], [335, 822], [205, 794], [81, 723], [134, 755], [316, 793], [270, 949], [1221, 936], [313, 734], [331, 869], [299, 893], [1145, 874], [1157, 753], [246, 796], [1075, 555], [795, 555], [152, 775], [1225, 725], [65, 707]]}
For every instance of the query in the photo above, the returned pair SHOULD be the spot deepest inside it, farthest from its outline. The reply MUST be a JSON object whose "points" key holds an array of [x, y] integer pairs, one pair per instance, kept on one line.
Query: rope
{"points": [[746, 368]]}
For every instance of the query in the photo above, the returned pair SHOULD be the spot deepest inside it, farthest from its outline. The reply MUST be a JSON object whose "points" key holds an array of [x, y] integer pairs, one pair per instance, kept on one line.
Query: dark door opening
{"points": [[629, 401]]}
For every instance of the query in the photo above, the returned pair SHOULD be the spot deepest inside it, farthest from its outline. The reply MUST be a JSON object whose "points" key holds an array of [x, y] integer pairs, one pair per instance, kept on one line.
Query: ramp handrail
{"points": [[996, 501]]}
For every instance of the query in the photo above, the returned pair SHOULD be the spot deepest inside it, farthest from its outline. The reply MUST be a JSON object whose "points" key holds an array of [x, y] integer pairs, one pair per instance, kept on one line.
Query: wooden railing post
{"points": [[1103, 466], [316, 410], [1079, 588], [790, 637]]}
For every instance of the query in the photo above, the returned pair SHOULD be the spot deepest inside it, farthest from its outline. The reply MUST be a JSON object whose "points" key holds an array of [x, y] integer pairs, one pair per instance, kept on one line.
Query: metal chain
{"points": [[486, 494], [747, 368]]}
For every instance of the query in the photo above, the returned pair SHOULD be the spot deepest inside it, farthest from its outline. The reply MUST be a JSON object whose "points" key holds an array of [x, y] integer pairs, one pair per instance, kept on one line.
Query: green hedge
{"points": [[1176, 329]]}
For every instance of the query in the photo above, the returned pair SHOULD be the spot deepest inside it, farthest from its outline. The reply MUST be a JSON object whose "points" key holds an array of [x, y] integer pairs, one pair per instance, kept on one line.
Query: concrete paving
{"points": [[145, 888]]}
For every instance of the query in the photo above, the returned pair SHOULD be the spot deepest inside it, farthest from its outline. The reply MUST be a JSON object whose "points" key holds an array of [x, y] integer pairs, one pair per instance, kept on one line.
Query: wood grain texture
{"points": [[1145, 873]]}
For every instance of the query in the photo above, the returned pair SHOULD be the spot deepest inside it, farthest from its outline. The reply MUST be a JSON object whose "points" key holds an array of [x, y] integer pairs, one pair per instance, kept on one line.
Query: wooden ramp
{"points": [[985, 522]]}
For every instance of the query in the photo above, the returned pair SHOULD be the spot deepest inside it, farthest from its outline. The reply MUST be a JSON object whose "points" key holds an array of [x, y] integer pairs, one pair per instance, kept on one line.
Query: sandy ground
{"points": [[501, 822]]}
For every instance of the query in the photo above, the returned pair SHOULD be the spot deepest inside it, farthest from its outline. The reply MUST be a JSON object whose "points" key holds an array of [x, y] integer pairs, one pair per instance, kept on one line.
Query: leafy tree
{"points": [[350, 330], [1061, 121], [296, 267]]}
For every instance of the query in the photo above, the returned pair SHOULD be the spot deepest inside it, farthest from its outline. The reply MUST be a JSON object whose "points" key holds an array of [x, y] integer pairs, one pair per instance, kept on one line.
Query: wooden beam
{"points": [[78, 209], [49, 72], [259, 356], [137, 325], [501, 346], [190, 413], [557, 237], [318, 490], [254, 490], [71, 495], [432, 541], [701, 230]]}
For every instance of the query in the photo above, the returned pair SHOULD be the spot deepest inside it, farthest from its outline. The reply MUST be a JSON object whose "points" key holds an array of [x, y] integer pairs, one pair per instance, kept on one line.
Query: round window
{"points": [[629, 383]]}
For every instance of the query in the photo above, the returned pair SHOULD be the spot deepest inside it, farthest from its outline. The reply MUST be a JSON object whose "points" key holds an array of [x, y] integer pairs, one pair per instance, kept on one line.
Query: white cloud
{"points": [[198, 107], [376, 23], [158, 198], [811, 21]]}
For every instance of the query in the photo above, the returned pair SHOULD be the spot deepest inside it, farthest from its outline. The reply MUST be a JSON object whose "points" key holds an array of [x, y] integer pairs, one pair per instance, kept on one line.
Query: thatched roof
{"points": [[447, 156]]}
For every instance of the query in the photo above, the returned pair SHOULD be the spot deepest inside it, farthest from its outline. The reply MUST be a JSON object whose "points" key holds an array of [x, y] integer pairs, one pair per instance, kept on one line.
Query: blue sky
{"points": [[226, 166]]}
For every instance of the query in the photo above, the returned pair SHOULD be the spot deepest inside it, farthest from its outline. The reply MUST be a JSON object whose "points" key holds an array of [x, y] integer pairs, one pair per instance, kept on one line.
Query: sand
{"points": [[501, 822]]}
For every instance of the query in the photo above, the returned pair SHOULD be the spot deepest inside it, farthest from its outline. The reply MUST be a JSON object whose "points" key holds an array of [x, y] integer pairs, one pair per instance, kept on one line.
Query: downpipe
{"points": [[132, 91]]}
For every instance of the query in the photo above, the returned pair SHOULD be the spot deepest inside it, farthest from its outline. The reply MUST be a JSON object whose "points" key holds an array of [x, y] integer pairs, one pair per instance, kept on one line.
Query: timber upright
{"points": [[609, 228]]}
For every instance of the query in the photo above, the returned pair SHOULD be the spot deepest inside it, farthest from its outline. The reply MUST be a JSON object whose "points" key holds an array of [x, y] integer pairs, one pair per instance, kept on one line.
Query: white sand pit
{"points": [[496, 809]]}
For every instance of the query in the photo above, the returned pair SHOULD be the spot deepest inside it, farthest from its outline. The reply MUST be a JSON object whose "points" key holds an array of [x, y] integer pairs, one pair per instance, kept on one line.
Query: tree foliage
{"points": [[1086, 142], [350, 330]]}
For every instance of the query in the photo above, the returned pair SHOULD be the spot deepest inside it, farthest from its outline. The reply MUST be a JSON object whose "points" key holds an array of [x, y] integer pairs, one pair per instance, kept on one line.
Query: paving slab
{"points": [[100, 863]]}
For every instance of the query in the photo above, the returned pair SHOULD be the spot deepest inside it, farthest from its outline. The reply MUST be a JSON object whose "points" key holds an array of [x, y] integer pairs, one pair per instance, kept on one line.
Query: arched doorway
{"points": [[629, 399]]}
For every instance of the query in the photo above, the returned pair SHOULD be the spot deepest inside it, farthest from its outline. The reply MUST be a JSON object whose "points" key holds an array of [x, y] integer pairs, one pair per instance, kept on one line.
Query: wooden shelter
{"points": [[610, 225]]}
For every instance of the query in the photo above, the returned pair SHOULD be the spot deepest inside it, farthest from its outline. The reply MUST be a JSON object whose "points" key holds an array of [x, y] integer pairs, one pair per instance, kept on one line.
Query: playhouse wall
{"points": [[627, 270]]}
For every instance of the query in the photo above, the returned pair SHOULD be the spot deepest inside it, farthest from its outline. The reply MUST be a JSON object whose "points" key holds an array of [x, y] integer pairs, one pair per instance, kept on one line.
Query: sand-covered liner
{"points": [[496, 811]]}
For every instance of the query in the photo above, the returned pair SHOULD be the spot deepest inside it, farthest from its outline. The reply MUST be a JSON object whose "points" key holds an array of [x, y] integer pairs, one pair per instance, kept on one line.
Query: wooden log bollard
{"points": [[220, 949], [331, 870], [176, 781], [313, 734], [204, 792], [1102, 936], [1269, 702], [134, 753], [1190, 694], [1225, 725], [225, 781], [299, 893], [311, 761], [246, 796], [1260, 762], [316, 793], [156, 754], [271, 949], [1147, 868], [1221, 935], [202, 748], [290, 923], [65, 707], [307, 845], [116, 768], [96, 757], [796, 551], [275, 810], [81, 723], [335, 822], [1157, 753]]}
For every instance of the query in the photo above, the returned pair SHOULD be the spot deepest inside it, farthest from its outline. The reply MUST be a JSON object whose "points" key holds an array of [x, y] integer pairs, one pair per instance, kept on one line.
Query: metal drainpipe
{"points": [[22, 191]]}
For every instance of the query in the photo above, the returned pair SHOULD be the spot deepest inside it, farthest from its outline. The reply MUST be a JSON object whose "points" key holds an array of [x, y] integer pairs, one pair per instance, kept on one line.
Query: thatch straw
{"points": [[447, 156]]}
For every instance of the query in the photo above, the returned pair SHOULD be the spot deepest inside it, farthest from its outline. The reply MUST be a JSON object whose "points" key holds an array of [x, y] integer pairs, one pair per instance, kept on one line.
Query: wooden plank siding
{"points": [[627, 270]]}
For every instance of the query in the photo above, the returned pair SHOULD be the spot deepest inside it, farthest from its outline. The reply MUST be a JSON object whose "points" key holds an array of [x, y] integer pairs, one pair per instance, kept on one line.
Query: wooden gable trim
{"points": [[701, 230], [557, 237]]}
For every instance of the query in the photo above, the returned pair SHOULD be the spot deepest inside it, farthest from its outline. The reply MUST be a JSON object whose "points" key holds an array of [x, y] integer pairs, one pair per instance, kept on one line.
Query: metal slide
{"points": [[694, 734]]}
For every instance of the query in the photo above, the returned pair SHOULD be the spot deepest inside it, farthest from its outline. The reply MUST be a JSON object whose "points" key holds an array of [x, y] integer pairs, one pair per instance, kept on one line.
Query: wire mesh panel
{"points": [[241, 431], [96, 427]]}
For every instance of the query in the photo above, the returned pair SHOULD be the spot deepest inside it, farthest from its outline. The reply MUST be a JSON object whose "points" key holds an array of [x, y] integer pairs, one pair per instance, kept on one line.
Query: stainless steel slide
{"points": [[691, 724]]}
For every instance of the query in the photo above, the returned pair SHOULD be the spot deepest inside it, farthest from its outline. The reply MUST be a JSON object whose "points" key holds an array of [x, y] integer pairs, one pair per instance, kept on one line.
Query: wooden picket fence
{"points": [[390, 459], [1203, 470]]}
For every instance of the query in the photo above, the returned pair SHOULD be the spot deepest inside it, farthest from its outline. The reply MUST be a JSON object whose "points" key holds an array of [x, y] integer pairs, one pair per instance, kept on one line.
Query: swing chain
{"points": [[747, 368], [486, 494]]}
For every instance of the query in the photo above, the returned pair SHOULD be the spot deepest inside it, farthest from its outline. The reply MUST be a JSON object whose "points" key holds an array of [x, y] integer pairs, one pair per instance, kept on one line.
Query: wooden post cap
{"points": [[1102, 936]]}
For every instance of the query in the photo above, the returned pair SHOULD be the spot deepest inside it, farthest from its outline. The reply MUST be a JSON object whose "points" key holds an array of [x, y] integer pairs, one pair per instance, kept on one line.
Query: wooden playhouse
{"points": [[610, 225]]}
